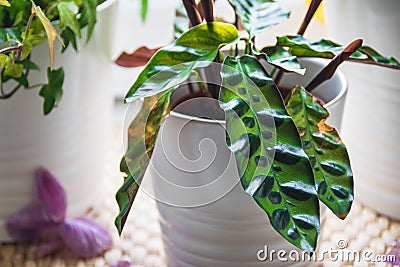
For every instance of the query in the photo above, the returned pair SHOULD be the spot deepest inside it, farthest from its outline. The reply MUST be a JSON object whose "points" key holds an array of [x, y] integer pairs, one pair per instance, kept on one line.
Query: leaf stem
{"points": [[327, 72], [208, 9], [193, 13]]}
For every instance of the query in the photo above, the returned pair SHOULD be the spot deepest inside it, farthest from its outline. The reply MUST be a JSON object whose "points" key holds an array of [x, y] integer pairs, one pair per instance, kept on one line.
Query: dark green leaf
{"points": [[52, 91], [282, 59], [68, 37], [301, 47], [29, 65], [173, 64], [142, 135], [68, 18], [258, 15], [88, 16], [9, 33], [321, 142], [271, 162]]}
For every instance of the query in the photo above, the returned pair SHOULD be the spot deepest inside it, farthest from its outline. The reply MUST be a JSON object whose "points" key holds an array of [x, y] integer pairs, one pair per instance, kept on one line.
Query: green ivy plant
{"points": [[25, 24], [309, 162]]}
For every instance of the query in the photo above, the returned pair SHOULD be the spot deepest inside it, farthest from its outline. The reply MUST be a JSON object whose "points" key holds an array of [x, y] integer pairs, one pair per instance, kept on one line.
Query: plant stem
{"points": [[28, 24], [11, 49], [330, 69], [306, 21], [193, 13], [208, 8], [309, 15]]}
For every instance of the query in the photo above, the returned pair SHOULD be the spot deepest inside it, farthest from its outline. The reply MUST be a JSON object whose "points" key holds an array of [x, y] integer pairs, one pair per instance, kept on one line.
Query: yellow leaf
{"points": [[50, 31], [4, 3]]}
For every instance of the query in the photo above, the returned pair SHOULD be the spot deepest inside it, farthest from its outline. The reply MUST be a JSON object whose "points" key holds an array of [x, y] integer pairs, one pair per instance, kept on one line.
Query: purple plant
{"points": [[395, 251], [44, 220]]}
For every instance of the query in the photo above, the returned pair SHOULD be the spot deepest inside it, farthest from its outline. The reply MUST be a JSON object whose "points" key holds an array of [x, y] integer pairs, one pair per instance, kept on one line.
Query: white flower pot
{"points": [[72, 141], [206, 217], [371, 121]]}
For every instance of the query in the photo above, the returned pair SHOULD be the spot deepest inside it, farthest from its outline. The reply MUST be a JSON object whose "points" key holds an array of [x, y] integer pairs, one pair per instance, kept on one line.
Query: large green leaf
{"points": [[68, 17], [258, 15], [301, 47], [327, 153], [142, 135], [173, 64], [282, 59], [261, 134]]}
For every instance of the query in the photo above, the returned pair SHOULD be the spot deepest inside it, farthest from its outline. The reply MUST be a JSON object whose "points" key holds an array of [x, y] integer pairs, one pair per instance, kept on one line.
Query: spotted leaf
{"points": [[173, 64], [142, 135], [271, 162], [328, 154]]}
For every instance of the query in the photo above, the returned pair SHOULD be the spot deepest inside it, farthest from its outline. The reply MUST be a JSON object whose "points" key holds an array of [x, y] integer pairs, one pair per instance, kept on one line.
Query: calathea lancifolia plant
{"points": [[25, 24], [309, 161]]}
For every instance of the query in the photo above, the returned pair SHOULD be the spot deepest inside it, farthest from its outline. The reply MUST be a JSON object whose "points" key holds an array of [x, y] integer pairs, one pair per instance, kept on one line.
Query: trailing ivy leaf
{"points": [[4, 3], [88, 16], [29, 65], [68, 18], [13, 70], [134, 164], [258, 15], [68, 37], [327, 153], [301, 47], [50, 31], [52, 91], [282, 59], [286, 191], [3, 60], [138, 58], [29, 41], [173, 64]]}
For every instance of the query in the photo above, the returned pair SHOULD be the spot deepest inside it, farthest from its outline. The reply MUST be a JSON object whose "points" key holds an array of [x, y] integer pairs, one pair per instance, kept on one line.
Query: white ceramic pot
{"points": [[371, 121], [206, 217], [72, 141]]}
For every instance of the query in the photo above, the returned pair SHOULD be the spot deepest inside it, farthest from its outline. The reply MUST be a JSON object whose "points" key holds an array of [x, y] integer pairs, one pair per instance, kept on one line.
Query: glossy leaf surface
{"points": [[273, 167], [282, 59], [173, 64], [327, 153], [259, 15], [142, 135], [301, 47]]}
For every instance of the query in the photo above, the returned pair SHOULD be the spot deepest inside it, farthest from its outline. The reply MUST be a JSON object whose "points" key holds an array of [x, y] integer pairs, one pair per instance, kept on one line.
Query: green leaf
{"points": [[301, 47], [258, 15], [13, 69], [88, 16], [68, 37], [142, 135], [3, 60], [327, 153], [52, 91], [282, 59], [7, 34], [143, 10], [30, 40], [68, 18], [29, 65], [173, 64], [261, 134], [4, 3]]}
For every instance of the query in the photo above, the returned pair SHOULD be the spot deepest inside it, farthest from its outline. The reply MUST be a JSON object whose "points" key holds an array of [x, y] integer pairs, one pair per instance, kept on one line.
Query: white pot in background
{"points": [[208, 220], [371, 121], [72, 141]]}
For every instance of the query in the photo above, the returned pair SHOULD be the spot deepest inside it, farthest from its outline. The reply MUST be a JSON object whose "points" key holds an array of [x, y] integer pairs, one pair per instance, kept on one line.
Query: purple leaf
{"points": [[51, 195], [29, 224], [396, 253], [122, 264], [85, 237]]}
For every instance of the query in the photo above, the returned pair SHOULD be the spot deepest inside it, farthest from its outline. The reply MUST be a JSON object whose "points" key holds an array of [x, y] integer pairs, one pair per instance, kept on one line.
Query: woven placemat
{"points": [[141, 241]]}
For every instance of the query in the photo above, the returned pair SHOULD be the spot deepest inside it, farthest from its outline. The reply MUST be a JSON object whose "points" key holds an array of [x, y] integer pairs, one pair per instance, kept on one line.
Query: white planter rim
{"points": [[342, 93], [105, 5]]}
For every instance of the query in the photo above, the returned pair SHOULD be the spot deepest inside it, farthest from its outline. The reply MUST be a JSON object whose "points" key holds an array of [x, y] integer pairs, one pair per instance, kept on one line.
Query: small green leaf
{"points": [[7, 34], [258, 15], [68, 37], [272, 164], [143, 10], [68, 18], [88, 16], [173, 64], [13, 69], [18, 18], [328, 154], [31, 40], [282, 59], [3, 60], [301, 47], [142, 135], [4, 3], [52, 91]]}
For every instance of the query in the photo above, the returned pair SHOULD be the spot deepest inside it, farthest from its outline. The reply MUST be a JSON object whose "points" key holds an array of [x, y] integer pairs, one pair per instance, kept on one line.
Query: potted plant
{"points": [[384, 96], [286, 157], [42, 35]]}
